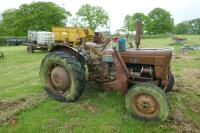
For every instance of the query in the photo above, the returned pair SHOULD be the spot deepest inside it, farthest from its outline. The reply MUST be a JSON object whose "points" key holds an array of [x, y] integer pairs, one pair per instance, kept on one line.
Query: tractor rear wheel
{"points": [[147, 102], [63, 76]]}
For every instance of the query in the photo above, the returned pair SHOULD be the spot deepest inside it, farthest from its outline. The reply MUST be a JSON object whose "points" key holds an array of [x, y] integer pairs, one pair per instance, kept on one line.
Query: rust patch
{"points": [[13, 121], [145, 105]]}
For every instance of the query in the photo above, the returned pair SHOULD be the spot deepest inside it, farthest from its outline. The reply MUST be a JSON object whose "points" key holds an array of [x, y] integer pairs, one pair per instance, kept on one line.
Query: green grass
{"points": [[97, 110], [19, 72]]}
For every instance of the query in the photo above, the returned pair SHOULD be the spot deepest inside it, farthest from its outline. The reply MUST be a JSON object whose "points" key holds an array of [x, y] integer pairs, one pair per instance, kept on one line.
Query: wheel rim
{"points": [[60, 79], [145, 105]]}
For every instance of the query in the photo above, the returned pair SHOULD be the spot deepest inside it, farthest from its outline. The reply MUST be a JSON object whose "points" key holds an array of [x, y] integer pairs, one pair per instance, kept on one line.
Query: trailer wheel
{"points": [[170, 83], [63, 76], [147, 102], [30, 49], [1, 55]]}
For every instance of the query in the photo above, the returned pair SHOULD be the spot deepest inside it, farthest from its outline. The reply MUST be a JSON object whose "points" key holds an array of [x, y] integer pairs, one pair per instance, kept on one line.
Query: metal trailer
{"points": [[72, 36], [39, 40], [31, 47], [16, 40]]}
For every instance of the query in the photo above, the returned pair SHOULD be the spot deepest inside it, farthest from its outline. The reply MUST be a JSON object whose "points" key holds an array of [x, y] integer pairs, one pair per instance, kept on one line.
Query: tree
{"points": [[34, 16], [128, 24], [140, 17], [188, 27], [130, 21], [0, 17], [93, 16], [7, 25], [182, 28], [159, 21], [195, 26], [74, 21]]}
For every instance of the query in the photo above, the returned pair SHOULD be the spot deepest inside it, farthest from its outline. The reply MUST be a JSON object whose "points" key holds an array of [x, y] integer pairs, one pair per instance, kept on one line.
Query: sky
{"points": [[180, 10]]}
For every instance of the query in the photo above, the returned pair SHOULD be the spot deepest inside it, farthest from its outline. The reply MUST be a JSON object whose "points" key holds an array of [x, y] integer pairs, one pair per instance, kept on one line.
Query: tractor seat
{"points": [[94, 48], [92, 45]]}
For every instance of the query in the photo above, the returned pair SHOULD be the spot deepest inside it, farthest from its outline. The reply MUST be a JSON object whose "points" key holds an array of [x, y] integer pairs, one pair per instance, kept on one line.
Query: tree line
{"points": [[157, 21], [160, 21], [44, 15], [188, 27]]}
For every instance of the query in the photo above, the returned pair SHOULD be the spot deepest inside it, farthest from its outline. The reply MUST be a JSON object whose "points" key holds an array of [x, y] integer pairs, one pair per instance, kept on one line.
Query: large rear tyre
{"points": [[147, 102], [63, 76]]}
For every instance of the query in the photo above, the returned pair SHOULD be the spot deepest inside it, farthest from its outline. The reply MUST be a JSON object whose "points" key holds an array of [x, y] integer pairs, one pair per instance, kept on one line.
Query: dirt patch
{"points": [[90, 107], [189, 81], [11, 107], [192, 76], [110, 127], [194, 106], [185, 57], [192, 73], [197, 58], [181, 123], [7, 105], [187, 84], [71, 124]]}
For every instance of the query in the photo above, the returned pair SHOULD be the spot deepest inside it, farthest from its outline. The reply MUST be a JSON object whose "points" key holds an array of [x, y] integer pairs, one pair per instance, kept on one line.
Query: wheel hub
{"points": [[145, 104], [60, 78]]}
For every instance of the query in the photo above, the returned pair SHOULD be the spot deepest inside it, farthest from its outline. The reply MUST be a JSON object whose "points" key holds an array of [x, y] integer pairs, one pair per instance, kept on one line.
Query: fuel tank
{"points": [[150, 56]]}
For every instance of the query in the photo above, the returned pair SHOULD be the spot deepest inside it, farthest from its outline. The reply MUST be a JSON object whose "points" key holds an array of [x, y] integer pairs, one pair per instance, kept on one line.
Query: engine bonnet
{"points": [[152, 56]]}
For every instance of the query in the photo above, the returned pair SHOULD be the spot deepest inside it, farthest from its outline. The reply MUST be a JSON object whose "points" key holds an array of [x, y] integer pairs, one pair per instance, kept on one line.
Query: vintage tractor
{"points": [[143, 75]]}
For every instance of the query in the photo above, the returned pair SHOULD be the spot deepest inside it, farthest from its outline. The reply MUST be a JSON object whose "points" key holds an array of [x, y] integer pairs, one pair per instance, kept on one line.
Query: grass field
{"points": [[25, 108]]}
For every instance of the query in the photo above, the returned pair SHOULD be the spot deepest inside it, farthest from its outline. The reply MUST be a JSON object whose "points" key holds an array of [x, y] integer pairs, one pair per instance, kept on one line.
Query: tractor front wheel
{"points": [[63, 76], [147, 102], [170, 83]]}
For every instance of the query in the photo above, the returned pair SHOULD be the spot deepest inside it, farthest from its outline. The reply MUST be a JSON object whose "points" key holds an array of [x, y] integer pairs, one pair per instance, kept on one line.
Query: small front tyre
{"points": [[147, 102], [170, 83]]}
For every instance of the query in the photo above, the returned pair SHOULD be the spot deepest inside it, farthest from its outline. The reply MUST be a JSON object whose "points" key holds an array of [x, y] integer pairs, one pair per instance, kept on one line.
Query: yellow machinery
{"points": [[72, 35]]}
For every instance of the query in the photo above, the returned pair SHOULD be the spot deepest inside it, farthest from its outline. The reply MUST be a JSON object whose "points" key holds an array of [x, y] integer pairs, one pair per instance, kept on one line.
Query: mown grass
{"points": [[19, 72], [97, 110]]}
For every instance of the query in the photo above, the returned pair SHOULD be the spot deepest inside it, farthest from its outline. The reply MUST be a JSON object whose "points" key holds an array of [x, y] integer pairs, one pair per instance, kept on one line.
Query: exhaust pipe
{"points": [[138, 33]]}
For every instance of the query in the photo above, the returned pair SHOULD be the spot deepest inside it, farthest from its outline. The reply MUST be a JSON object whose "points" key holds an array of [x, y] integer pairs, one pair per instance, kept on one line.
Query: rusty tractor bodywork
{"points": [[143, 65], [140, 73]]}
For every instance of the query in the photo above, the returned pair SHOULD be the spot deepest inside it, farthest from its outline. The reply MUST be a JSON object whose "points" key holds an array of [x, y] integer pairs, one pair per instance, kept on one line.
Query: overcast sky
{"points": [[180, 9]]}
